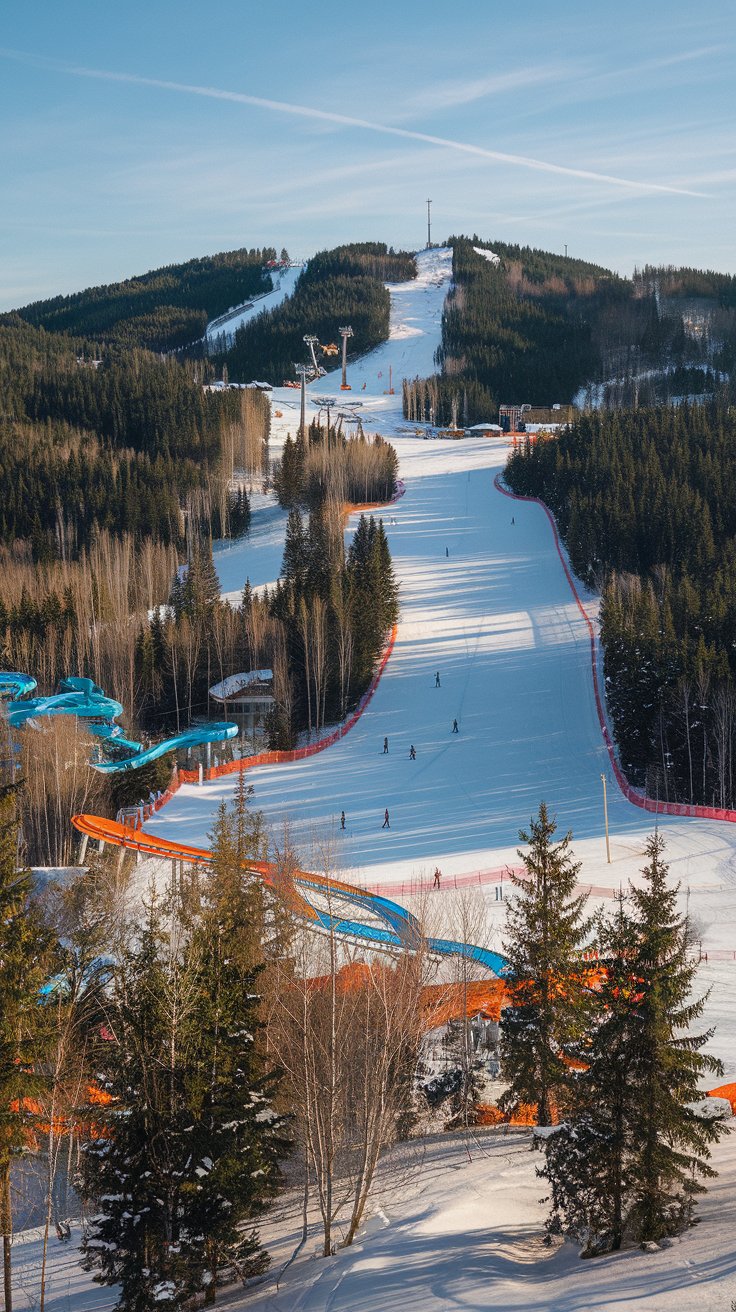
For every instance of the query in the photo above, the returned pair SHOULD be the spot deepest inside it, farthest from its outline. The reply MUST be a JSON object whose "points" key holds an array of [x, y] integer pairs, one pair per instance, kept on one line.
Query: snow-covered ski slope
{"points": [[497, 619], [228, 324], [414, 334]]}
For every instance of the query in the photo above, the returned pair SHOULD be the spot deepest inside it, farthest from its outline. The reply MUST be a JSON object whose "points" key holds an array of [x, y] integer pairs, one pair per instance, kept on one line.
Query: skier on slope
{"points": [[385, 746], [454, 727], [437, 680], [412, 753], [342, 819], [386, 824]]}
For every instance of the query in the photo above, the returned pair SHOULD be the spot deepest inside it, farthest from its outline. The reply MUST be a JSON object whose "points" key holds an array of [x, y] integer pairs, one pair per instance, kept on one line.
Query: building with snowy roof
{"points": [[248, 698]]}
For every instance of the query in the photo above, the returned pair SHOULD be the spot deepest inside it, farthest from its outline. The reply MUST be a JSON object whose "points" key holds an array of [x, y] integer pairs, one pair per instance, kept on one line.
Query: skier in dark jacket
{"points": [[412, 753], [386, 824]]}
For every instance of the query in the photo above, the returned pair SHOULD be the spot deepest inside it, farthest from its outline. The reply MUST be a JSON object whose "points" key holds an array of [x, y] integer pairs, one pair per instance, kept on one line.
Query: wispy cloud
{"points": [[347, 120], [466, 91]]}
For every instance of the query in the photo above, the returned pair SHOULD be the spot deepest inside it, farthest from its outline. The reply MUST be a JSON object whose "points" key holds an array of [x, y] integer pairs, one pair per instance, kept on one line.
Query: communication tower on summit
{"points": [[429, 224], [345, 333]]}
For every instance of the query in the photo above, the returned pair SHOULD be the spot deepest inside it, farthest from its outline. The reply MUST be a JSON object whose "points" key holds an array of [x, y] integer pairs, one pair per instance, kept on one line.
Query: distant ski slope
{"points": [[226, 325]]}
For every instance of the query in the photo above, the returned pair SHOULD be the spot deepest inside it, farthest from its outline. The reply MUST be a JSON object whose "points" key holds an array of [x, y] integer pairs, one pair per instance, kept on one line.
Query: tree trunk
{"points": [[6, 1225]]}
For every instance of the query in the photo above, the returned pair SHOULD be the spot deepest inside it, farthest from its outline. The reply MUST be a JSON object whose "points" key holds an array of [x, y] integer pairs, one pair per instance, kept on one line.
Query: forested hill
{"points": [[340, 286], [122, 446], [525, 325], [162, 309]]}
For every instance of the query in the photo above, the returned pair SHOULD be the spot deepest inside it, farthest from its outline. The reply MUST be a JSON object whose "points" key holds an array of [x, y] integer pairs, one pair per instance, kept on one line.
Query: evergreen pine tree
{"points": [[295, 550], [626, 1165], [201, 587], [237, 1134], [670, 1141], [186, 1154], [545, 930], [587, 1159], [132, 1166]]}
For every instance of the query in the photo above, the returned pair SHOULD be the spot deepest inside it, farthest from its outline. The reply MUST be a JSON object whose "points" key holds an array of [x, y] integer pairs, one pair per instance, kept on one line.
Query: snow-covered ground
{"points": [[257, 556], [454, 1225], [414, 334]]}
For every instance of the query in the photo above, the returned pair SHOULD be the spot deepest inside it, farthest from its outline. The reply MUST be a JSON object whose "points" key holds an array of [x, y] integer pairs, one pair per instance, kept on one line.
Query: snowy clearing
{"points": [[455, 1223]]}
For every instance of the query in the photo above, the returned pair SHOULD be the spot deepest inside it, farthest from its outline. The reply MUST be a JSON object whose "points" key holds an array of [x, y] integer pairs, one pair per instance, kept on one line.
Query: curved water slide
{"points": [[79, 697], [204, 733], [85, 700], [391, 926], [13, 684]]}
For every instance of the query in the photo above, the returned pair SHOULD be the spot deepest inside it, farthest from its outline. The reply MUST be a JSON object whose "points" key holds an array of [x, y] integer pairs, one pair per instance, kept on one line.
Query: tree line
{"points": [[341, 286], [159, 310], [133, 445], [645, 502], [321, 630]]}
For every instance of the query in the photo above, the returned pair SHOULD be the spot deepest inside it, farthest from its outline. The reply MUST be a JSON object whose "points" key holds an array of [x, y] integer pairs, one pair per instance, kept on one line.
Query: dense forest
{"points": [[160, 310], [133, 444], [532, 326], [646, 503], [341, 286]]}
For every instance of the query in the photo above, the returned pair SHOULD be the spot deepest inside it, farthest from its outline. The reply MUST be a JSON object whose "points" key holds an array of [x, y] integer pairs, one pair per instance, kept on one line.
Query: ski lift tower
{"points": [[345, 333], [325, 403], [302, 370], [311, 341]]}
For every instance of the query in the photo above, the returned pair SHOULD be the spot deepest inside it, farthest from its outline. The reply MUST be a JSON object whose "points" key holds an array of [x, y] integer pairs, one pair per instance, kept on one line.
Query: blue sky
{"points": [[590, 124]]}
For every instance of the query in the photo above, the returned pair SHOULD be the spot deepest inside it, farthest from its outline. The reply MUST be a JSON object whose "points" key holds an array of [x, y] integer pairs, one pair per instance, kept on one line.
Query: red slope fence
{"points": [[632, 795]]}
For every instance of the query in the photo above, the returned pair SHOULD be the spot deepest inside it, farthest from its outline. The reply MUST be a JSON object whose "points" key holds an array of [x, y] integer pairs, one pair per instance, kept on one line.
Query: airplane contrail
{"points": [[347, 120]]}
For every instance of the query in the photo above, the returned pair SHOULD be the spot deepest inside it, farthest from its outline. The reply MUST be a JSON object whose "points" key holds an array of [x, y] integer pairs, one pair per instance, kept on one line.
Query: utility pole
{"points": [[565, 250], [345, 333], [605, 814], [302, 370], [429, 224]]}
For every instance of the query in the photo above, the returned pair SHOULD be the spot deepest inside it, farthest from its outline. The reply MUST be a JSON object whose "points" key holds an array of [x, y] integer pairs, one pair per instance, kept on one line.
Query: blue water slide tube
{"points": [[86, 704], [113, 736], [204, 733], [14, 685]]}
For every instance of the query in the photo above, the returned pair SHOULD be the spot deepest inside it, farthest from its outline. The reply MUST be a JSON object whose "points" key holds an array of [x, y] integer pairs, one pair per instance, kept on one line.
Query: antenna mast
{"points": [[429, 224]]}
